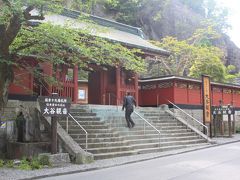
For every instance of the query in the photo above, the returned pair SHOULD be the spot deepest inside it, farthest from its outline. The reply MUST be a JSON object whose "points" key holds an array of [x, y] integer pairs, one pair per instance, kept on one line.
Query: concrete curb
{"points": [[131, 161]]}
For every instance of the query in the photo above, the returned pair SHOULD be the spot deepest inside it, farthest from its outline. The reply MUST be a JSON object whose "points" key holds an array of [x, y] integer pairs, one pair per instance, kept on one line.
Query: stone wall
{"points": [[198, 114], [7, 129]]}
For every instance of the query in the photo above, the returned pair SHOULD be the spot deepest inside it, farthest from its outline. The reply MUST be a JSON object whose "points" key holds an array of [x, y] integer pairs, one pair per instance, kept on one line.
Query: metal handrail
{"points": [[189, 116], [148, 124], [86, 143]]}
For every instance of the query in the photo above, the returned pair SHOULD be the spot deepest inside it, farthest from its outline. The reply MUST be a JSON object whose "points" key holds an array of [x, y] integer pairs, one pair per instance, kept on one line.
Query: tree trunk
{"points": [[6, 77], [7, 35]]}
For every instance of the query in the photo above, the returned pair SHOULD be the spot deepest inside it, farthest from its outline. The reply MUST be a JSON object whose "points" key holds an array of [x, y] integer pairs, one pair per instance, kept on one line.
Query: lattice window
{"points": [[236, 91], [194, 86], [163, 85], [181, 85], [218, 90], [227, 91], [149, 86]]}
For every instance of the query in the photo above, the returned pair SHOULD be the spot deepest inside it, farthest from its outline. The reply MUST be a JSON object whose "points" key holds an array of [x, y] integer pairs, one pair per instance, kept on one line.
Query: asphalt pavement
{"points": [[219, 162], [15, 174]]}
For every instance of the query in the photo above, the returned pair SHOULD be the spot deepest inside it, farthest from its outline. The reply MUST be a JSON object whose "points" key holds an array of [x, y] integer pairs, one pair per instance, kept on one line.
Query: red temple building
{"points": [[185, 92], [106, 85]]}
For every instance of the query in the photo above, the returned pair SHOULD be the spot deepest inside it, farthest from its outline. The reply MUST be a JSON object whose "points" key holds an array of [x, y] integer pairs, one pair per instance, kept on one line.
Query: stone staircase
{"points": [[109, 137], [103, 142]]}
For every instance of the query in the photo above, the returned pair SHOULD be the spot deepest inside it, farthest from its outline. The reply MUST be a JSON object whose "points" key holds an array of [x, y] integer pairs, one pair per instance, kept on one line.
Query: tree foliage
{"points": [[181, 56], [52, 43], [196, 56]]}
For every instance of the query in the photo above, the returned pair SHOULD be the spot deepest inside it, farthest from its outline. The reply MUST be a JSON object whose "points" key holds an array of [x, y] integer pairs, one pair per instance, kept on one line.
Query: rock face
{"points": [[177, 20], [231, 51]]}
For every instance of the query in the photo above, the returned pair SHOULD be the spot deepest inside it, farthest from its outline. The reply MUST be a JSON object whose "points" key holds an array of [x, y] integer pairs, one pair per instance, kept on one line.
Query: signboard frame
{"points": [[54, 106], [206, 99]]}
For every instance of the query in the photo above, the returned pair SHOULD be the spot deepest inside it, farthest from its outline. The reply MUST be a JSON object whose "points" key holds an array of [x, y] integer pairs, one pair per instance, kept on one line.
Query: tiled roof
{"points": [[117, 32]]}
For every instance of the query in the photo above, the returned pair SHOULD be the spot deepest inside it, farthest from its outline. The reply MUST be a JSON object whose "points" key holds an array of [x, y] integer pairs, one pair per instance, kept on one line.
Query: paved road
{"points": [[221, 163]]}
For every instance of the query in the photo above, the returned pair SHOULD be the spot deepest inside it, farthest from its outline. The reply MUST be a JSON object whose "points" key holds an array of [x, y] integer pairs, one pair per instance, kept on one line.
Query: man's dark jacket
{"points": [[128, 102]]}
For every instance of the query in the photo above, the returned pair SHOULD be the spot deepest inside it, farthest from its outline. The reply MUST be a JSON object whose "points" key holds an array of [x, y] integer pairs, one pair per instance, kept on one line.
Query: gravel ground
{"points": [[15, 174]]}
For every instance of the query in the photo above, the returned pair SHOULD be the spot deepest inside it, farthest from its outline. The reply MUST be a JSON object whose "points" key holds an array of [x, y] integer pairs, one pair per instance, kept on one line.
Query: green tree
{"points": [[51, 43], [208, 61], [196, 5], [125, 11], [217, 14], [181, 57], [195, 56]]}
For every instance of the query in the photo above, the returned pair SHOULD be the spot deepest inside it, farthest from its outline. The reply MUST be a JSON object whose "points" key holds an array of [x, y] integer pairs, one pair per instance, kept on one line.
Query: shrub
{"points": [[24, 165], [44, 160], [9, 164], [1, 163], [36, 164]]}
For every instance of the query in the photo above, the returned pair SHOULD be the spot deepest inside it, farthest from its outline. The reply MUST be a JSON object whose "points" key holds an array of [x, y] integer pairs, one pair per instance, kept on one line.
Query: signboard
{"points": [[206, 95], [3, 125], [54, 106], [224, 110], [81, 94]]}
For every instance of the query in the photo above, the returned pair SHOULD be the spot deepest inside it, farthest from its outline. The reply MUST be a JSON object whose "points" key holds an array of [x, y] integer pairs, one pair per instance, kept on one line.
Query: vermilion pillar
{"points": [[75, 81], [136, 88], [118, 86], [48, 70]]}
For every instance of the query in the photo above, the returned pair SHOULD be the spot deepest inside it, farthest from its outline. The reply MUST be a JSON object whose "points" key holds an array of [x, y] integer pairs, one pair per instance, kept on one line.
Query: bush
{"points": [[25, 165], [1, 163], [9, 164], [36, 164], [44, 160], [238, 130]]}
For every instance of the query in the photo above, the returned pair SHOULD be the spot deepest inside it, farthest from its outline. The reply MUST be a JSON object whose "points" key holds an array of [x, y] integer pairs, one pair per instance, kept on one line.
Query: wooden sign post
{"points": [[206, 99], [54, 107]]}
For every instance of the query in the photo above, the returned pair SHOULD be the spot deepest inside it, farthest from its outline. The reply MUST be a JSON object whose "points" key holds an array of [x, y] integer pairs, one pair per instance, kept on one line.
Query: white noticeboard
{"points": [[81, 94]]}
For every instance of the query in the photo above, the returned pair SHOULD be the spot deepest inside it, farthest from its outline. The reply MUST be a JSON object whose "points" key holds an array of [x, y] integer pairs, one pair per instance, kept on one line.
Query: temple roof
{"points": [[111, 30]]}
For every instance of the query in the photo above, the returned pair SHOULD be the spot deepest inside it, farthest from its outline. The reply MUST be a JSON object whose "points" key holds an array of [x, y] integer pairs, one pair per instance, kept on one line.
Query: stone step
{"points": [[162, 121], [149, 128], [169, 148], [87, 118], [100, 150], [137, 123], [98, 140], [90, 131], [77, 110], [133, 131], [104, 144], [141, 136], [155, 114], [86, 126], [94, 135], [150, 118], [162, 139], [113, 154], [71, 122], [166, 144], [82, 114]]}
